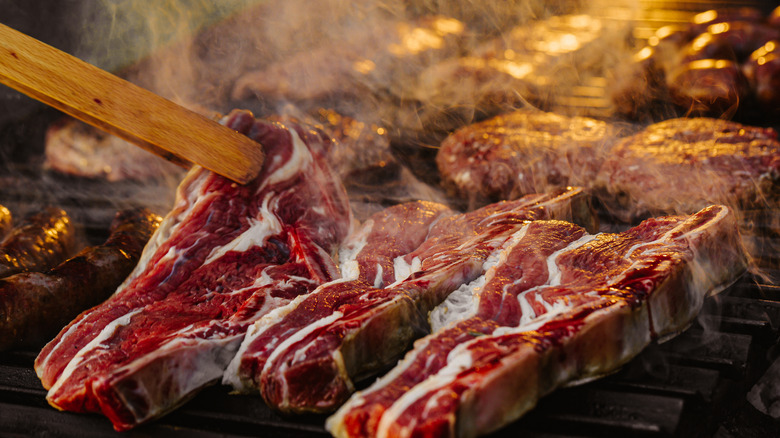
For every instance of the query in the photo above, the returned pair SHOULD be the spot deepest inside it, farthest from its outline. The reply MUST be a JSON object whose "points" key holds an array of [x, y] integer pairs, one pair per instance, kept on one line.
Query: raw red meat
{"points": [[306, 356], [224, 256], [369, 254], [561, 305]]}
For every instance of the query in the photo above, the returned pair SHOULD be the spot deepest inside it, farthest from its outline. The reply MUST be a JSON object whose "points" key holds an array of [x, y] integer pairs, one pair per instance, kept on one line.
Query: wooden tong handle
{"points": [[124, 109]]}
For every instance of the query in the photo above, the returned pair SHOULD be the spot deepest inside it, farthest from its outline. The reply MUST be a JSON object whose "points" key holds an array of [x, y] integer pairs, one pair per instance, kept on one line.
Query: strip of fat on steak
{"points": [[223, 257], [305, 357], [560, 306], [366, 259], [369, 253]]}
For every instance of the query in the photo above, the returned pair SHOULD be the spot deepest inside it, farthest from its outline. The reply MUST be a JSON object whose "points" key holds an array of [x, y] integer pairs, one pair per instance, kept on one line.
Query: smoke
{"points": [[413, 69], [117, 33], [197, 52], [417, 69]]}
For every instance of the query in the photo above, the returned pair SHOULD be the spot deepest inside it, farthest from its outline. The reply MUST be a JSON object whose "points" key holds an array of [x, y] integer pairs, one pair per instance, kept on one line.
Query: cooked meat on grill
{"points": [[703, 20], [461, 90], [359, 150], [305, 357], [75, 148], [698, 69], [313, 75], [559, 306], [708, 86], [763, 72], [533, 63], [34, 306], [6, 221], [40, 242], [563, 43], [223, 257], [639, 90], [730, 40], [375, 55], [708, 160], [774, 17], [682, 165], [522, 152]]}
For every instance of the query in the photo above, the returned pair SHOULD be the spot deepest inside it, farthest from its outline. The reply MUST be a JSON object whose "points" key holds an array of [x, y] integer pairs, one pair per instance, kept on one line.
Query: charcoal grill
{"points": [[694, 385]]}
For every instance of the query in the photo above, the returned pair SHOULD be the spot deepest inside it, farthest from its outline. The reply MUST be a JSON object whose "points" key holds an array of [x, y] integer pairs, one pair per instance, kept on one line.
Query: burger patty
{"points": [[675, 166], [525, 151], [684, 164]]}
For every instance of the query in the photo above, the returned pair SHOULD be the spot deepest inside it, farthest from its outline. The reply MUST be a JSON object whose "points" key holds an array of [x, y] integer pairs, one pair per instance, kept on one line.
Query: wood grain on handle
{"points": [[124, 109]]}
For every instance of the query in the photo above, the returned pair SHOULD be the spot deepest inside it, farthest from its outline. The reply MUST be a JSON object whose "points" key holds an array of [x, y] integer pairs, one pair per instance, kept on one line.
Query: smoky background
{"points": [[408, 71]]}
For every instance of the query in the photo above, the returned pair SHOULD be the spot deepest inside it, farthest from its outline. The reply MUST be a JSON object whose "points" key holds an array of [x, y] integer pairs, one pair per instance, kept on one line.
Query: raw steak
{"points": [[682, 165], [306, 356], [369, 253], [525, 151], [224, 256], [560, 306]]}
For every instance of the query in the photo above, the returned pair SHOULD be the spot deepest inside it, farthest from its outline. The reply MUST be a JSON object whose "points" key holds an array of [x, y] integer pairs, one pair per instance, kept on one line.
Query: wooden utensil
{"points": [[124, 109]]}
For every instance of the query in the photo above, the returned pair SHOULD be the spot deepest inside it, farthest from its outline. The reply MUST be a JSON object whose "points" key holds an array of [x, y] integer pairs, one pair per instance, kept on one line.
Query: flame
{"points": [[446, 25], [719, 28], [415, 41], [705, 17]]}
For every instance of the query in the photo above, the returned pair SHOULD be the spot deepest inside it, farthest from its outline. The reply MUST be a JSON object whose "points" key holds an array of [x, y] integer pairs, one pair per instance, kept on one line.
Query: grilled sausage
{"points": [[774, 17], [34, 305], [708, 87], [763, 72], [6, 220], [733, 41], [40, 242], [700, 22]]}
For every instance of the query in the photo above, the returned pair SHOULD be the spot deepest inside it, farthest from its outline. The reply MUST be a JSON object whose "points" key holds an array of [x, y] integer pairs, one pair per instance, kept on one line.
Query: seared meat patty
{"points": [[681, 165], [525, 151]]}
